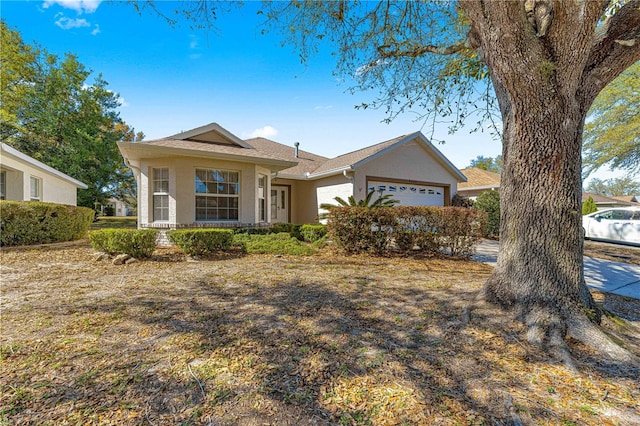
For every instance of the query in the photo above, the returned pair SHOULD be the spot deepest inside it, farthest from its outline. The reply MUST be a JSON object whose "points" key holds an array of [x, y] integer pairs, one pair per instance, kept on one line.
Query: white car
{"points": [[615, 224]]}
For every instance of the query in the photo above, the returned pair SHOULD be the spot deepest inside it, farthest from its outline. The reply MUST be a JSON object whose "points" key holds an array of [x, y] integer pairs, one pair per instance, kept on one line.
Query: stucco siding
{"points": [[408, 162], [182, 193], [53, 189]]}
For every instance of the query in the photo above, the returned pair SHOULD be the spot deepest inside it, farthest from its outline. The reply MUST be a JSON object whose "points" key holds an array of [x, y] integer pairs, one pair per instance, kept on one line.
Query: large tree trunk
{"points": [[540, 267], [546, 68]]}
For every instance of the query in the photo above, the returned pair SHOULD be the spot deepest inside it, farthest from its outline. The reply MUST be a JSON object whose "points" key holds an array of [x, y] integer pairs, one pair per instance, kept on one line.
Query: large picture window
{"points": [[160, 194], [217, 195]]}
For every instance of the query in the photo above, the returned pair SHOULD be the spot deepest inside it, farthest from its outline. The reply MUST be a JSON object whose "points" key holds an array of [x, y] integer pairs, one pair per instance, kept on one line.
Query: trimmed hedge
{"points": [[313, 233], [138, 243], [430, 229], [489, 201], [35, 222], [198, 242]]}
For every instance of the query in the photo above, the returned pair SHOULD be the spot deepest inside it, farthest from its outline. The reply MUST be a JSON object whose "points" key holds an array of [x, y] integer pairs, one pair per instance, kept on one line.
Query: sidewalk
{"points": [[604, 275]]}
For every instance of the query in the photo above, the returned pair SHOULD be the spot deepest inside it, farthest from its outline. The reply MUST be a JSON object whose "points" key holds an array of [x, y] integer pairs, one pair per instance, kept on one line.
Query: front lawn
{"points": [[116, 222], [259, 339]]}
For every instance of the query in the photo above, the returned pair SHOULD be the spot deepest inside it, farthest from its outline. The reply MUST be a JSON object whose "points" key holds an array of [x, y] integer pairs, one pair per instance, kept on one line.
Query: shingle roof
{"points": [[211, 148], [628, 198], [353, 157], [479, 178], [284, 155], [307, 162], [601, 199]]}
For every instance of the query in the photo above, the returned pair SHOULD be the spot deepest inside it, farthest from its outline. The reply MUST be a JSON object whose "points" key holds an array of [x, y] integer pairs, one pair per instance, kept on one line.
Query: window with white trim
{"points": [[160, 185], [36, 189], [262, 201], [217, 195], [3, 185]]}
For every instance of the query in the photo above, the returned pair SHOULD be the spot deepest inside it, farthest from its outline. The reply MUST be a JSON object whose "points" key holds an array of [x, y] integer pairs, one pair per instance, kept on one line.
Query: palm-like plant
{"points": [[384, 201]]}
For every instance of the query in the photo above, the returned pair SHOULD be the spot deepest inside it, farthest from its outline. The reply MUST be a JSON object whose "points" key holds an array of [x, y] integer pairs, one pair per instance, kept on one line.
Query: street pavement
{"points": [[604, 275]]}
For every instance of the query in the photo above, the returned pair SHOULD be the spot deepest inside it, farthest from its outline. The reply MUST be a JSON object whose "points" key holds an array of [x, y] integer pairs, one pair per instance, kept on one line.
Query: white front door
{"points": [[279, 204]]}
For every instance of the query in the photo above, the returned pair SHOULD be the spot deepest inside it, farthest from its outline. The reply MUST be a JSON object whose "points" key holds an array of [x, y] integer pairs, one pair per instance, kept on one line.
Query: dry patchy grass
{"points": [[264, 340]]}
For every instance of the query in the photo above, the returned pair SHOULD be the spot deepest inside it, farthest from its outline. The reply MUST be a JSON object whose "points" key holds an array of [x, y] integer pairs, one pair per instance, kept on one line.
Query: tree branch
{"points": [[414, 52], [616, 50]]}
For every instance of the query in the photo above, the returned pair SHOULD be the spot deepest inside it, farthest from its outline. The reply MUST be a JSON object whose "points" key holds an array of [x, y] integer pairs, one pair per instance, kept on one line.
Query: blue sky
{"points": [[175, 79]]}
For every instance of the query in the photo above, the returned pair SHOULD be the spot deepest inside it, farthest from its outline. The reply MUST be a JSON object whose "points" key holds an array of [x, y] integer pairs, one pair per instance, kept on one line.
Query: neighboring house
{"points": [[628, 198], [209, 177], [478, 181], [23, 178], [120, 208], [603, 202]]}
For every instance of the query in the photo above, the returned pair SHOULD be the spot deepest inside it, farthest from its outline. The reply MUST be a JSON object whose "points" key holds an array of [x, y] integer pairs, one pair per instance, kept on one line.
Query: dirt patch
{"points": [[262, 340], [612, 252]]}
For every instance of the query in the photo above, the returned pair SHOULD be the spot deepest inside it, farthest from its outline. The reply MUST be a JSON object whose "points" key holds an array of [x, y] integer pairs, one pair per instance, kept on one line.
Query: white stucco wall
{"points": [[19, 172], [182, 188]]}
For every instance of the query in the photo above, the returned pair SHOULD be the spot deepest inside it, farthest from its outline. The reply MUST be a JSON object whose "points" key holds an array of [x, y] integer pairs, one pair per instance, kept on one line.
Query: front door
{"points": [[279, 204]]}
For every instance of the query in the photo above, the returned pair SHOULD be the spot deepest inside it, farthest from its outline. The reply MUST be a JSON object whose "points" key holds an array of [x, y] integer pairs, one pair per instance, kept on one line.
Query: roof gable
{"points": [[211, 133], [362, 156]]}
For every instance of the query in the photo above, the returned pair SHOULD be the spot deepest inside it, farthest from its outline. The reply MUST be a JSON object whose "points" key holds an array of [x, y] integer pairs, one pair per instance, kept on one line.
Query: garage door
{"points": [[410, 194]]}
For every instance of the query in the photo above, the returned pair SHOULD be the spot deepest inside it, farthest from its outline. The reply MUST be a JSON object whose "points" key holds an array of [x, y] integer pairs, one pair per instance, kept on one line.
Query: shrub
{"points": [[461, 201], [431, 229], [198, 242], [589, 206], [290, 228], [34, 222], [281, 243], [313, 233], [138, 243], [489, 201]]}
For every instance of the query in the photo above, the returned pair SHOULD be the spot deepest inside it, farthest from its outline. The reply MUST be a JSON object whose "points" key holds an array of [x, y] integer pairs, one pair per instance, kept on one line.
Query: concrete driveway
{"points": [[604, 275]]}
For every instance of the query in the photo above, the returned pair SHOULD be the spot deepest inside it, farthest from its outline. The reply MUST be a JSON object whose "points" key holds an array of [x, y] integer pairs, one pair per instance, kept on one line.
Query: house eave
{"points": [[39, 165], [141, 151]]}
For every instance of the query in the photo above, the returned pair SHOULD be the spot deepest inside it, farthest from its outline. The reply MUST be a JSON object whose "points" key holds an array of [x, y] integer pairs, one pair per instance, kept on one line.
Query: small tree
{"points": [[489, 201], [589, 206]]}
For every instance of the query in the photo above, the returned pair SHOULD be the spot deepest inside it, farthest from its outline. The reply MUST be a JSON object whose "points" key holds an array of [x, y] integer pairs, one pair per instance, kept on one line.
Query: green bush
{"points": [[489, 201], [34, 222], [589, 206], [290, 228], [430, 229], [313, 233], [198, 242], [138, 243], [281, 243]]}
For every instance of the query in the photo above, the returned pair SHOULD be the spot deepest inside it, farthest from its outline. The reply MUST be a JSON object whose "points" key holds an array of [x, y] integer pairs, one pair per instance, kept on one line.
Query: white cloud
{"points": [[322, 107], [68, 23], [194, 43], [123, 102], [264, 132], [96, 30], [80, 6]]}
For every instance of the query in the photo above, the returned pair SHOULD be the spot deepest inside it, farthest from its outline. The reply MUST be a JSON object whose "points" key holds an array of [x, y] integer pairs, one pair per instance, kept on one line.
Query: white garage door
{"points": [[410, 194]]}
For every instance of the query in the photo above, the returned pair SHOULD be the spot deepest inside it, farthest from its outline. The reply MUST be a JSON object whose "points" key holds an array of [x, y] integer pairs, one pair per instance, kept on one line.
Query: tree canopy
{"points": [[614, 187], [612, 130], [53, 113], [487, 163]]}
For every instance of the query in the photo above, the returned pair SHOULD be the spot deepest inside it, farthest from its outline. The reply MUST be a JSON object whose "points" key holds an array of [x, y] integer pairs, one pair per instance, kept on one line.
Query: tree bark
{"points": [[545, 84]]}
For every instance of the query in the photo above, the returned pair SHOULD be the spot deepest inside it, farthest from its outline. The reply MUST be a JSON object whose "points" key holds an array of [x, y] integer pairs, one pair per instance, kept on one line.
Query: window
{"points": [[3, 185], [160, 186], [36, 189], [262, 202], [217, 195]]}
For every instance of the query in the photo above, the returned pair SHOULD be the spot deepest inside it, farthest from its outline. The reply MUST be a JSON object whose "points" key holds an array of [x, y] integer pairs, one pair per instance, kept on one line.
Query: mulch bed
{"points": [[265, 340]]}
